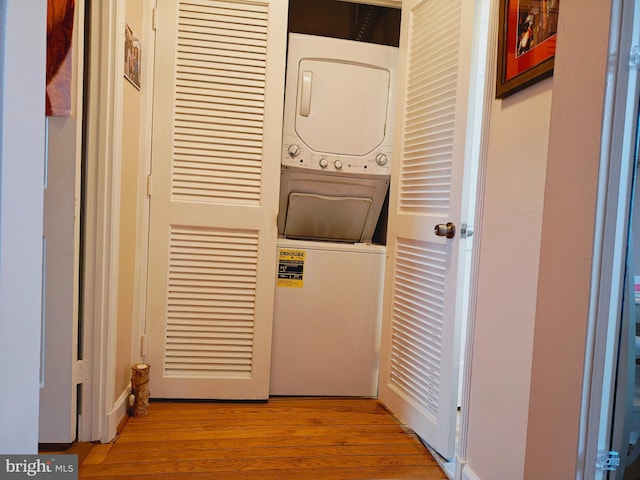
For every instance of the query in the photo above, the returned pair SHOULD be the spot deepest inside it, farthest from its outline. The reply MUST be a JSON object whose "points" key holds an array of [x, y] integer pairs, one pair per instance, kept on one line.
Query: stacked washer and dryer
{"points": [[335, 173]]}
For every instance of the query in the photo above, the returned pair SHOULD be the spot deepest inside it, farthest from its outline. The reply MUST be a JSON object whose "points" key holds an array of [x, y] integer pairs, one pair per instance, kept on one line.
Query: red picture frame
{"points": [[526, 43]]}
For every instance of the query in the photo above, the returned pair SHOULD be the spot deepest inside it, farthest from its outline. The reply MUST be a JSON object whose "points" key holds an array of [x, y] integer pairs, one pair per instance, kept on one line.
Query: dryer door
{"points": [[321, 217], [320, 206], [341, 106]]}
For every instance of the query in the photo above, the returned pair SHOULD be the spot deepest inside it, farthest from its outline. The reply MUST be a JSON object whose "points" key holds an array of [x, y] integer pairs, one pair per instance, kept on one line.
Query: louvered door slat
{"points": [[222, 118], [242, 10], [201, 90], [210, 17], [222, 158], [222, 78], [242, 34], [228, 144], [198, 55], [194, 51], [210, 65], [250, 77], [223, 52], [244, 171], [204, 135], [217, 127]]}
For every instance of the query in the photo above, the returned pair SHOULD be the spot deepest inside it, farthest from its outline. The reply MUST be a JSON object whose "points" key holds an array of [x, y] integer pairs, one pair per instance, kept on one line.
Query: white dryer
{"points": [[337, 138]]}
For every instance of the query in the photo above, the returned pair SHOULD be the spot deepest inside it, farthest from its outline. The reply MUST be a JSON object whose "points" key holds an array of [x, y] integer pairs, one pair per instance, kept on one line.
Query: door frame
{"points": [[615, 186], [486, 27], [101, 222], [101, 412]]}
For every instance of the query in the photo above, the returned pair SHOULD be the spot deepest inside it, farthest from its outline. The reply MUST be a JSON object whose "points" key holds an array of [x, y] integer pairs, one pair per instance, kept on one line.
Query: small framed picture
{"points": [[526, 43], [132, 54]]}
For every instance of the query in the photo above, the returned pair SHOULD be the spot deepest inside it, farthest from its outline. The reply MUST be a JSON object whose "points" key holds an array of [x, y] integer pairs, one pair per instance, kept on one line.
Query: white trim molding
{"points": [[102, 211], [142, 223], [468, 474], [117, 413], [484, 47]]}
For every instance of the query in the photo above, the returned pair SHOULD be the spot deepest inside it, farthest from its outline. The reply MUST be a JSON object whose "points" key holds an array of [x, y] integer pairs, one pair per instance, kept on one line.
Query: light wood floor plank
{"points": [[390, 440], [251, 421], [214, 433], [392, 473], [264, 452], [180, 410]]}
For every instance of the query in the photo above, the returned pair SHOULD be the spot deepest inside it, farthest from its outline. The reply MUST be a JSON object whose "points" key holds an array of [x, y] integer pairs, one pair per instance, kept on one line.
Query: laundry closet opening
{"points": [[334, 189], [216, 253]]}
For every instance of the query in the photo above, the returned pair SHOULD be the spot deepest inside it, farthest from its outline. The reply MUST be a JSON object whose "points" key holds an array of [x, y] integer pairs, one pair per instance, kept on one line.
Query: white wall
{"points": [[507, 283], [22, 120]]}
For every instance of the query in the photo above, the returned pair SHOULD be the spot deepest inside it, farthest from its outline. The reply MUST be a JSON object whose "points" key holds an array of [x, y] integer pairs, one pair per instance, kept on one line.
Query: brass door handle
{"points": [[445, 230]]}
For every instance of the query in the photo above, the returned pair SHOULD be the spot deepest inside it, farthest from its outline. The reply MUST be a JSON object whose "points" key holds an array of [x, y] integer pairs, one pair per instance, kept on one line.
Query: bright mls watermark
{"points": [[52, 467]]}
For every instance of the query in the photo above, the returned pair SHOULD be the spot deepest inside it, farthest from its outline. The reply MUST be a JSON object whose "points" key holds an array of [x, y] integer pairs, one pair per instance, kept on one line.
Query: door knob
{"points": [[445, 230]]}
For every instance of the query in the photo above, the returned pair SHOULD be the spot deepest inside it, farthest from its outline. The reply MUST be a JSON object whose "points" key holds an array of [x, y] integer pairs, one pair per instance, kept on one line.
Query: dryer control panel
{"points": [[297, 154]]}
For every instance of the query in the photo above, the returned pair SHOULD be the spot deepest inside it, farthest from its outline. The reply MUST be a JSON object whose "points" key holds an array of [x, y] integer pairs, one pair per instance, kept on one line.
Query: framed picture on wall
{"points": [[526, 43], [132, 54]]}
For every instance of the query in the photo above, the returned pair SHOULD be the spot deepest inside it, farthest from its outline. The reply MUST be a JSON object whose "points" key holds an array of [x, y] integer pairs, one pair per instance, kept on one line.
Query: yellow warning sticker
{"points": [[291, 268]]}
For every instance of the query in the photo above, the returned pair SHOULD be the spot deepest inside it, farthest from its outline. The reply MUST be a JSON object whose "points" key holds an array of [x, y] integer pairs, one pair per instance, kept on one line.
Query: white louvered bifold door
{"points": [[217, 127], [420, 343]]}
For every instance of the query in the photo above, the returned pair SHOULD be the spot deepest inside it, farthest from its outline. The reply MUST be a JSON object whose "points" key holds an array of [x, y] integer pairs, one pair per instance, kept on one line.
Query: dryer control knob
{"points": [[323, 163], [337, 164], [381, 159], [293, 150]]}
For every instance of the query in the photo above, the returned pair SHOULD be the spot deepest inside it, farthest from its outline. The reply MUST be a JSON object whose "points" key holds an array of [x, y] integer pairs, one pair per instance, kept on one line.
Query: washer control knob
{"points": [[324, 163], [381, 159], [293, 150], [337, 164]]}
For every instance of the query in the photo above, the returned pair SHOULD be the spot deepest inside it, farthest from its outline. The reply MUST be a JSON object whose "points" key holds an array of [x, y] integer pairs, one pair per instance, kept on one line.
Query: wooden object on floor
{"points": [[284, 439], [140, 387]]}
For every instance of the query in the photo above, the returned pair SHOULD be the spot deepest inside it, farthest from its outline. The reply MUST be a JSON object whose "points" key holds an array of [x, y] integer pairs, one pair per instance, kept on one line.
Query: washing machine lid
{"points": [[312, 216], [341, 106]]}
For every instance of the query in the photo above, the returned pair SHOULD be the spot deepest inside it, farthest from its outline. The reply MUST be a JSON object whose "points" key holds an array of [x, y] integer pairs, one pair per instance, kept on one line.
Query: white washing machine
{"points": [[326, 326]]}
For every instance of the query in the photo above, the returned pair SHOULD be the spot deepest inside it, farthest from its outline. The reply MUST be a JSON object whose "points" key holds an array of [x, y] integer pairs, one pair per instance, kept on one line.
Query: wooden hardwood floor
{"points": [[284, 439]]}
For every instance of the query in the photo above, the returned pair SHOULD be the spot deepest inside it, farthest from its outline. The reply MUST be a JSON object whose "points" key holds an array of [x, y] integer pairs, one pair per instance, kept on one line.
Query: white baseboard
{"points": [[117, 414], [467, 473]]}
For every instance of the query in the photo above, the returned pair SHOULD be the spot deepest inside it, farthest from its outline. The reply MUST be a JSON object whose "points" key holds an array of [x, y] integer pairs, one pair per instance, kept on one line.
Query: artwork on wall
{"points": [[60, 15], [132, 54], [526, 43]]}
